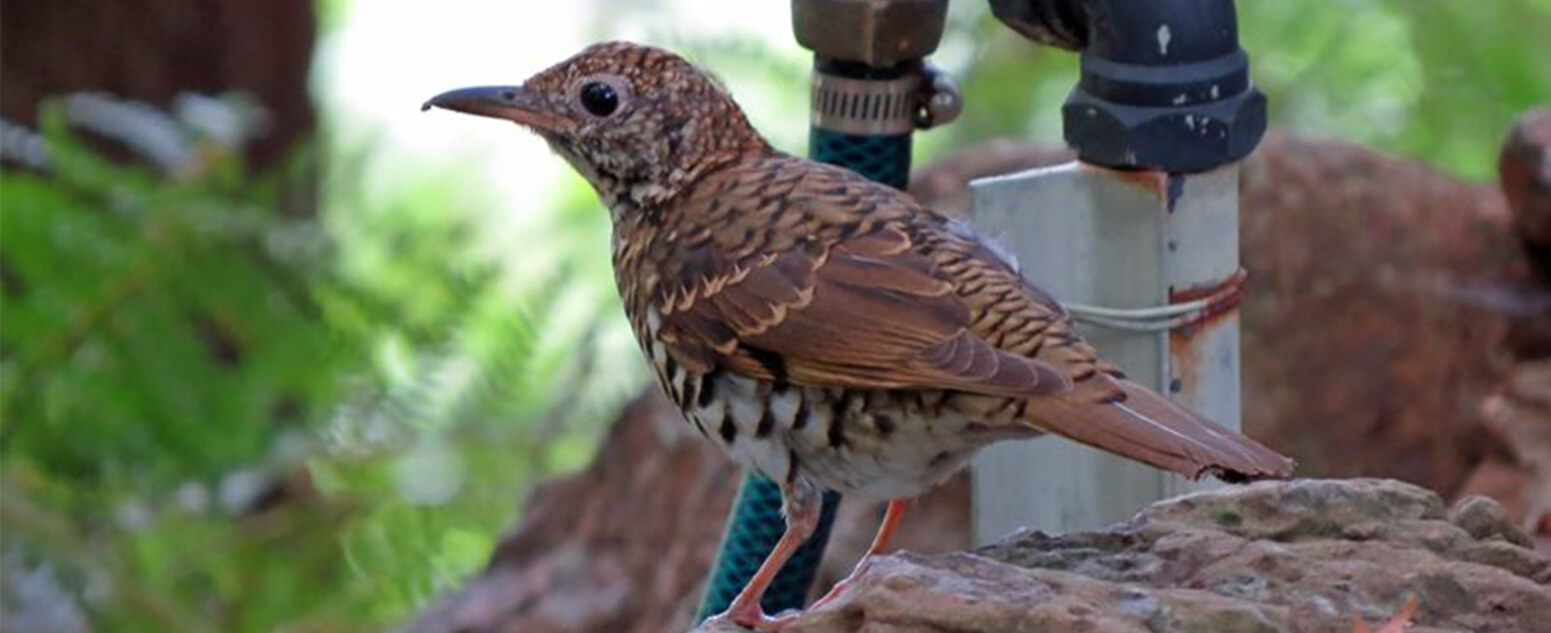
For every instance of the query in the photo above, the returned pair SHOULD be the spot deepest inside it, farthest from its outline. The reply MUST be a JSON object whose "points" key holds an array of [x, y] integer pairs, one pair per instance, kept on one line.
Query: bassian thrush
{"points": [[823, 329]]}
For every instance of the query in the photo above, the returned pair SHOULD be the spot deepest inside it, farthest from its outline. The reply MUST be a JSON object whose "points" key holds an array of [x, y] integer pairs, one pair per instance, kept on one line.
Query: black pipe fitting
{"points": [[1164, 86]]}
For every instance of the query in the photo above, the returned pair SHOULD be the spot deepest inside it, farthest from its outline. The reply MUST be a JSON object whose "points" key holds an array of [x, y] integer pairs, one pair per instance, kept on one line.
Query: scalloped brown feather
{"points": [[864, 312], [840, 282]]}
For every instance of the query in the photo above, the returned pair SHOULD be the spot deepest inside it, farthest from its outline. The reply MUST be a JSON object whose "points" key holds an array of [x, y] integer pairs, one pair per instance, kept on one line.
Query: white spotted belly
{"points": [[869, 444], [873, 444]]}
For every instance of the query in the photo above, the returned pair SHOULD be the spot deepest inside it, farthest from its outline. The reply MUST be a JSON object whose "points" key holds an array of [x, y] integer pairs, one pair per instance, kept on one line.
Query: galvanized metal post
{"points": [[1095, 237], [1149, 263]]}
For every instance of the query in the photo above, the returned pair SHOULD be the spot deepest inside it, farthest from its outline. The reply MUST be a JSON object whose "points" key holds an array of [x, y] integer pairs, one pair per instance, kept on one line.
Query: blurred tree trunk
{"points": [[152, 50]]}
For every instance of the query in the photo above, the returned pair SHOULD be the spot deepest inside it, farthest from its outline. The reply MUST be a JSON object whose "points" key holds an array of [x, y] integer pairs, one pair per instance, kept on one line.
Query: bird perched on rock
{"points": [[826, 330]]}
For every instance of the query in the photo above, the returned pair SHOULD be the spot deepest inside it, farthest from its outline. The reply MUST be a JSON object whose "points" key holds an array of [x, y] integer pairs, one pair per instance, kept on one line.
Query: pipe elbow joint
{"points": [[1164, 84]]}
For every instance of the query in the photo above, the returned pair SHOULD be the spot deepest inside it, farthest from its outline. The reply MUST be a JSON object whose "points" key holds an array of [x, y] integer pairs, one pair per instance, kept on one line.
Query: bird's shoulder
{"points": [[765, 206], [775, 200]]}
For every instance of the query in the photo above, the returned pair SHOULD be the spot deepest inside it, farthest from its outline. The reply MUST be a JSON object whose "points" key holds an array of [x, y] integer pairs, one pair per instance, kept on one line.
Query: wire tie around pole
{"points": [[1185, 308]]}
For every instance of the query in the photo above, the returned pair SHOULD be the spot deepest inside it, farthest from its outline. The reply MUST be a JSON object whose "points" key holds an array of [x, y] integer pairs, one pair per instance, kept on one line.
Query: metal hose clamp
{"points": [[883, 107]]}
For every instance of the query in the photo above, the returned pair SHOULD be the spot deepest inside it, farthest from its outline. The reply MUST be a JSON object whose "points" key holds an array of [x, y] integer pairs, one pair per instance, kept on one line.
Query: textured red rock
{"points": [[1306, 555]]}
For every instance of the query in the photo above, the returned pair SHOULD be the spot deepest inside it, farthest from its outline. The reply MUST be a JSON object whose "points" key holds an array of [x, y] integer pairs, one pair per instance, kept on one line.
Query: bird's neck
{"points": [[677, 173], [656, 173], [633, 238]]}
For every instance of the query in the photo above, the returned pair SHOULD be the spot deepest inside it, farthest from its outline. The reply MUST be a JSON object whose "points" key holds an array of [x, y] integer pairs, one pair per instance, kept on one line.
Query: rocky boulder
{"points": [[1301, 556]]}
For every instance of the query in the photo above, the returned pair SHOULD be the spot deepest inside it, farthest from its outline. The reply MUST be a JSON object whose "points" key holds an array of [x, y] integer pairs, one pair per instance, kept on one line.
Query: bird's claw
{"points": [[752, 619]]}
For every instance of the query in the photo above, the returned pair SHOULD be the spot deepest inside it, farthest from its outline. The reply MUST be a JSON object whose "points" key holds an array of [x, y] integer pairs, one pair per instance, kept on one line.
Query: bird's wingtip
{"points": [[1234, 476]]}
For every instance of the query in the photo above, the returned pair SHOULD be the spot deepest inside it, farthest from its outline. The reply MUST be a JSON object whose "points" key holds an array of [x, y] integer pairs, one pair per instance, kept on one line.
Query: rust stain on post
{"points": [[1185, 341], [1184, 360], [1153, 182]]}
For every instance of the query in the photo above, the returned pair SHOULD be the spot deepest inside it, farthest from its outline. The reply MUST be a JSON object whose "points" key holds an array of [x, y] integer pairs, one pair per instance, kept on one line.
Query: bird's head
{"points": [[640, 123]]}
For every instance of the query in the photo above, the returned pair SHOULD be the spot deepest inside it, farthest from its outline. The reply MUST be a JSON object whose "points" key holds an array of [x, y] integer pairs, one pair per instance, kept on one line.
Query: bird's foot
{"points": [[753, 619], [845, 583], [834, 592]]}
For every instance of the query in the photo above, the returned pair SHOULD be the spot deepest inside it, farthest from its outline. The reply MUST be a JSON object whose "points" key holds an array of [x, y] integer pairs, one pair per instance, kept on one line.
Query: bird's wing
{"points": [[902, 298], [866, 311]]}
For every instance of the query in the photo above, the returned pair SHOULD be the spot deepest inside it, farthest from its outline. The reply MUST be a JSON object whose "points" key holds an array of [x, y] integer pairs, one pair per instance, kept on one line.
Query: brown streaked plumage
{"points": [[824, 329]]}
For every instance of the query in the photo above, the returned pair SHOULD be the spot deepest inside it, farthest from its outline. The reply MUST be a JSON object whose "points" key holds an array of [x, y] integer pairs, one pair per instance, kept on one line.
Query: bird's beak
{"points": [[513, 103]]}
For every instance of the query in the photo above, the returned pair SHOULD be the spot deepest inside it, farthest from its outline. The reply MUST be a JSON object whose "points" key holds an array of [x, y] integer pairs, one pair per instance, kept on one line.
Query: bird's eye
{"points": [[599, 98]]}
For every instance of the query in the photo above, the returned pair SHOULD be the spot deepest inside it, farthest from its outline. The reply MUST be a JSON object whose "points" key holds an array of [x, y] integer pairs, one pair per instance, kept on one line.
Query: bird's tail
{"points": [[1150, 428]]}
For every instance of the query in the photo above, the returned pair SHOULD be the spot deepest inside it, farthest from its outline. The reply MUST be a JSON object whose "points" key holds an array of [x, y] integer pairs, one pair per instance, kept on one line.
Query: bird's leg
{"points": [[800, 504], [880, 541]]}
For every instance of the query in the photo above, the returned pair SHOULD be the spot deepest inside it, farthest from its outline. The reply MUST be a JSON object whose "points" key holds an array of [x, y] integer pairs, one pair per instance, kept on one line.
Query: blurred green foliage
{"points": [[221, 411]]}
